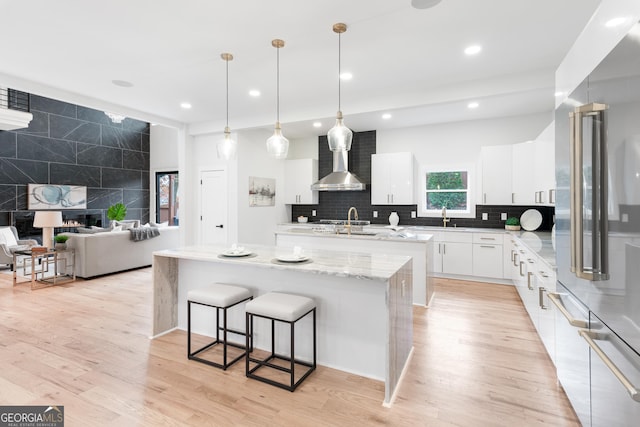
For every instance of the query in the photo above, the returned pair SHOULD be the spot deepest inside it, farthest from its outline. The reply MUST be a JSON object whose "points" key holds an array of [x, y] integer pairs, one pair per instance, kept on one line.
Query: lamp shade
{"points": [[44, 219], [339, 137]]}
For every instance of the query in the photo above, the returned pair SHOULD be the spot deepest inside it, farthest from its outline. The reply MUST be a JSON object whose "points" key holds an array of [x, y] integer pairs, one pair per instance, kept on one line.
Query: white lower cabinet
{"points": [[488, 255], [453, 253], [534, 280]]}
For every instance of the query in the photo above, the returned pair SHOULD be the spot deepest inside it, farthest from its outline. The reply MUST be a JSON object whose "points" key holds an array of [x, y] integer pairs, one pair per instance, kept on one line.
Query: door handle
{"points": [[220, 226], [590, 337], [599, 269]]}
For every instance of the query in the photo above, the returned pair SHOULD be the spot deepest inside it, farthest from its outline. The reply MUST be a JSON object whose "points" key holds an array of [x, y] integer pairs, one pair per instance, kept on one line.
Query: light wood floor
{"points": [[477, 362]]}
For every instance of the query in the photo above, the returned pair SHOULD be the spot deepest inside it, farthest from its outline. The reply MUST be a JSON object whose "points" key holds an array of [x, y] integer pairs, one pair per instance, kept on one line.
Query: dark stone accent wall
{"points": [[72, 144], [336, 204]]}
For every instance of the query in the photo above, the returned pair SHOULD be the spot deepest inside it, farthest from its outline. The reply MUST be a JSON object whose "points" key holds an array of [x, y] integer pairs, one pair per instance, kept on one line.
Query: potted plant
{"points": [[117, 212], [61, 241], [513, 224]]}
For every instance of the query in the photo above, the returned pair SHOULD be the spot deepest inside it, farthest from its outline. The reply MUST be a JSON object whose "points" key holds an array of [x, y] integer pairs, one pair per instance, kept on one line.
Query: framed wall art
{"points": [[56, 197], [262, 191]]}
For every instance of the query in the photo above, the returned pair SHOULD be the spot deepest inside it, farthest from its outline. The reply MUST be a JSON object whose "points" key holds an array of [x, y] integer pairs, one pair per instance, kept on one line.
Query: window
{"points": [[446, 188], [167, 197]]}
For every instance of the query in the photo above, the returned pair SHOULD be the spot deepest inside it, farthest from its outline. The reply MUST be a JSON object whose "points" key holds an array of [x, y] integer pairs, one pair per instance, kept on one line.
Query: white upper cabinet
{"points": [[496, 175], [524, 187], [392, 176], [299, 175], [544, 177]]}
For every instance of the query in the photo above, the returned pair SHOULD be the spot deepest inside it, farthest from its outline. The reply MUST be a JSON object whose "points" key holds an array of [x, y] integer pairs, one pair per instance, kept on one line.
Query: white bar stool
{"points": [[221, 297], [285, 308]]}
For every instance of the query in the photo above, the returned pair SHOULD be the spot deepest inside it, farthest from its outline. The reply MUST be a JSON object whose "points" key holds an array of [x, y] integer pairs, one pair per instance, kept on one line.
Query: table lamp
{"points": [[47, 220]]}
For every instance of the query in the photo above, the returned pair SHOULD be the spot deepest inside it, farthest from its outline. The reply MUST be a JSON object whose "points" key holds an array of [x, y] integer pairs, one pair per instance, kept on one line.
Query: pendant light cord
{"points": [[227, 61], [278, 85], [339, 69]]}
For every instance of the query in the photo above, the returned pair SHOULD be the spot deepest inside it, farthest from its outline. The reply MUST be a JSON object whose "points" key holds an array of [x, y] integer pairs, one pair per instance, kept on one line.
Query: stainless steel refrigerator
{"points": [[598, 241]]}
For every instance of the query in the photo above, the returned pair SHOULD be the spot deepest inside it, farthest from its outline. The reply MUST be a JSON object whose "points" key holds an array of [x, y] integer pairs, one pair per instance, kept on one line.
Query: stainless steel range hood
{"points": [[340, 179]]}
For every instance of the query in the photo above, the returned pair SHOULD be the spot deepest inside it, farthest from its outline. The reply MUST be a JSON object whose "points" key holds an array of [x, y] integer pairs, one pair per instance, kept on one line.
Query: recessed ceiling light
{"points": [[346, 76], [615, 22], [386, 116], [255, 93], [472, 50], [558, 93], [122, 83], [185, 105], [424, 4], [317, 124], [473, 105]]}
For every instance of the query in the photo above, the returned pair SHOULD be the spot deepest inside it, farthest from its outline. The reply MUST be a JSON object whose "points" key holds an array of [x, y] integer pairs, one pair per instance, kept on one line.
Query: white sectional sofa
{"points": [[114, 251]]}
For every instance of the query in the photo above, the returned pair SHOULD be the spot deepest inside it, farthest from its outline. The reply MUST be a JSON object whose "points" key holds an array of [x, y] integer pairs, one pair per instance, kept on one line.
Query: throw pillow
{"points": [[7, 237], [117, 228]]}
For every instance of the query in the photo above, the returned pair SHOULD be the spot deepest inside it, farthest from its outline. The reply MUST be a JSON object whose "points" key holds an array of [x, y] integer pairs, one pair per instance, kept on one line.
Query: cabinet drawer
{"points": [[489, 238], [455, 236]]}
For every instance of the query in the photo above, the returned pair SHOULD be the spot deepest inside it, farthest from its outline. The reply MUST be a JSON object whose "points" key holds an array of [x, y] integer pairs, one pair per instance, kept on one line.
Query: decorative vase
{"points": [[512, 227], [61, 246], [394, 219]]}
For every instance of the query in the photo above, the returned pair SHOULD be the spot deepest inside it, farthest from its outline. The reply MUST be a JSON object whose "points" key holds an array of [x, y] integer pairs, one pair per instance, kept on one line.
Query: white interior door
{"points": [[214, 209]]}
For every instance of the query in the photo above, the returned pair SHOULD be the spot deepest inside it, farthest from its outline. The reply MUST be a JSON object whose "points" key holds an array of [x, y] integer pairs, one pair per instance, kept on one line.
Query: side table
{"points": [[49, 268]]}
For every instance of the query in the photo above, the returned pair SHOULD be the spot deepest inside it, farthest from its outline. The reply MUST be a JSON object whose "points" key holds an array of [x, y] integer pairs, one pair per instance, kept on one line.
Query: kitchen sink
{"points": [[358, 233]]}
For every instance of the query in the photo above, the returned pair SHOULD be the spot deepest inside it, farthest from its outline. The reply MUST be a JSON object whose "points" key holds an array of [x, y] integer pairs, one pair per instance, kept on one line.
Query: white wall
{"points": [[306, 148], [460, 142], [163, 157], [255, 225], [258, 224]]}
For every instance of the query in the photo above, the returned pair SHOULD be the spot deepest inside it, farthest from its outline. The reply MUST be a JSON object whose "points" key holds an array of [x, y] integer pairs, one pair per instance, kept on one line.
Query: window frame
{"points": [[470, 212]]}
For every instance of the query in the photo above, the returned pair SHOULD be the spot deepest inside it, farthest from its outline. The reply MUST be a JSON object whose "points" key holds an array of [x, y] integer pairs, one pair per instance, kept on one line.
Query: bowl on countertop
{"points": [[303, 219]]}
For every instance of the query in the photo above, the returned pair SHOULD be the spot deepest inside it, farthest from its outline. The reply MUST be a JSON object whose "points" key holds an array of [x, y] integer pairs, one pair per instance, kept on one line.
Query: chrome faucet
{"points": [[355, 211], [445, 220]]}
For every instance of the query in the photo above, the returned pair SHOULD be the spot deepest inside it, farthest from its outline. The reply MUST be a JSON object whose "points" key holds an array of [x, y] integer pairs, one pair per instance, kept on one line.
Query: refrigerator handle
{"points": [[589, 337], [599, 270], [555, 299]]}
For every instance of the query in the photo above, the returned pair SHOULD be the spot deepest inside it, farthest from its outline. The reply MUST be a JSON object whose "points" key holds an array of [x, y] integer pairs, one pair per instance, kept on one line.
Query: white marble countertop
{"points": [[369, 233], [332, 263]]}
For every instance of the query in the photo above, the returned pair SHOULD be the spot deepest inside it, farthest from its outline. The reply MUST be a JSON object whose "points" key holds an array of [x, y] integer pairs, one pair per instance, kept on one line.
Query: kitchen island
{"points": [[364, 301], [374, 239]]}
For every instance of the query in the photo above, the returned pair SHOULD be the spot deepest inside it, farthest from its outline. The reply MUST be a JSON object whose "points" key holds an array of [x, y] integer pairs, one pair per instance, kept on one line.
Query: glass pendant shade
{"points": [[339, 136], [277, 144], [227, 147]]}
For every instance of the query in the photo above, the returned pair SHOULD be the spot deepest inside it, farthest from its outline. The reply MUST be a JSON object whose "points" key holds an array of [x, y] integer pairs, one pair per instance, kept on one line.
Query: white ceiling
{"points": [[405, 61]]}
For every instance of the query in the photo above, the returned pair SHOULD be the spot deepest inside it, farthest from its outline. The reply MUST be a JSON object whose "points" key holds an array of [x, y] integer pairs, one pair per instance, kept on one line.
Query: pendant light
{"points": [[277, 144], [227, 147], [339, 136]]}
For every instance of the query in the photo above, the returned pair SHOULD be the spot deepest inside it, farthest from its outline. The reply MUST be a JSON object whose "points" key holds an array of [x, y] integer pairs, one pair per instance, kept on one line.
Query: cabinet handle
{"points": [[541, 292], [515, 260], [392, 199], [487, 246], [487, 238], [535, 197], [529, 274], [521, 264], [552, 195], [555, 299], [513, 197], [513, 253], [439, 244], [444, 249], [589, 337], [530, 261]]}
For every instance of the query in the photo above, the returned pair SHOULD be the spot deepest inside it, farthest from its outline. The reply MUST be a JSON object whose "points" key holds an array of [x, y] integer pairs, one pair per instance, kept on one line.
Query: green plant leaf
{"points": [[117, 212], [61, 238], [512, 221]]}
